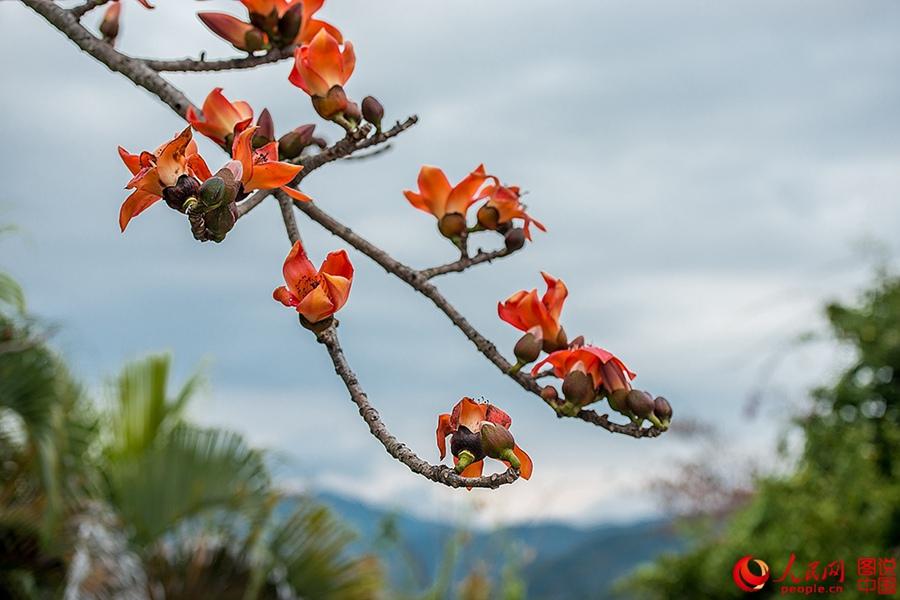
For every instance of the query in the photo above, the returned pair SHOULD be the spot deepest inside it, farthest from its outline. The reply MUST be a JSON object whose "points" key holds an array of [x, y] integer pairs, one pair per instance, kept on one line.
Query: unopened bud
{"points": [[617, 401], [291, 144], [254, 40], [465, 440], [109, 26], [499, 443], [640, 403], [212, 192], [176, 195], [266, 131], [559, 343], [488, 217], [219, 222], [373, 111], [352, 113], [514, 239], [331, 104], [577, 342], [528, 348], [549, 393], [663, 411], [452, 225], [578, 388], [289, 24]]}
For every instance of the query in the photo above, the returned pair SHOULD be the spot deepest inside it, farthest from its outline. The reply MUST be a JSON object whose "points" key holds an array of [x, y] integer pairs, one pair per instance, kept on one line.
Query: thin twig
{"points": [[343, 148], [438, 473], [244, 62], [464, 263], [134, 69], [287, 215], [545, 373], [82, 9]]}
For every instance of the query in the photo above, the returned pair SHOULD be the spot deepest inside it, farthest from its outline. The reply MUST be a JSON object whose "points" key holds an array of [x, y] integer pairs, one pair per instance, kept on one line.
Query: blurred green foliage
{"points": [[839, 499]]}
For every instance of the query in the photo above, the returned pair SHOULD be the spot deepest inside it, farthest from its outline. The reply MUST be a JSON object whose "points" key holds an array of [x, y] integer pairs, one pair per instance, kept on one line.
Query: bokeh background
{"points": [[709, 173]]}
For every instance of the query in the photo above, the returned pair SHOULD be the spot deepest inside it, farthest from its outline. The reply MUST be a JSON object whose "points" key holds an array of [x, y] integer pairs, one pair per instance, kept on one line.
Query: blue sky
{"points": [[709, 174]]}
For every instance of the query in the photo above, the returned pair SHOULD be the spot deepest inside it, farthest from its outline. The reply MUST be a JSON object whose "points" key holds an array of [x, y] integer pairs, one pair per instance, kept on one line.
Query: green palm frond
{"points": [[311, 548], [189, 473], [142, 410]]}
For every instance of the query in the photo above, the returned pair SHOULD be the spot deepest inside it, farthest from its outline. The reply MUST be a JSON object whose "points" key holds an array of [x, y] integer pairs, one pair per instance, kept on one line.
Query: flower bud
{"points": [[212, 193], [578, 388], [640, 403], [577, 343], [561, 342], [465, 440], [266, 131], [289, 24], [255, 40], [219, 222], [332, 104], [514, 239], [617, 401], [528, 348], [498, 442], [176, 195], [267, 23], [373, 111], [663, 411], [109, 26], [488, 217], [292, 143], [549, 393], [452, 225], [352, 113]]}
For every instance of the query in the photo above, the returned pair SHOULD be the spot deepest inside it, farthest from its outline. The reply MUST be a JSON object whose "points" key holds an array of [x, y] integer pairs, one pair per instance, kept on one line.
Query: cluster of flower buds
{"points": [[109, 25], [450, 205], [316, 294], [478, 431], [588, 373], [176, 173], [272, 24]]}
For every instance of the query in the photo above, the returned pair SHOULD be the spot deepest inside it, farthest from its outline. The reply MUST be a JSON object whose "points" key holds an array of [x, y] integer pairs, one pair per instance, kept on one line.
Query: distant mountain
{"points": [[558, 561]]}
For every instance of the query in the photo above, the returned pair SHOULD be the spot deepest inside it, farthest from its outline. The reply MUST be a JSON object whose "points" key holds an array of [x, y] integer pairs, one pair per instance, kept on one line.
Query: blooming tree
{"points": [[259, 165]]}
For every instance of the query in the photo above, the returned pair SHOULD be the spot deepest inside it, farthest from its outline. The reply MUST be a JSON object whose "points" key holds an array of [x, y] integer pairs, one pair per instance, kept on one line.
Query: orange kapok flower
{"points": [[155, 172], [109, 26], [606, 369], [538, 316], [261, 167], [316, 295], [503, 206], [220, 118], [321, 69], [473, 438], [449, 204], [241, 35]]}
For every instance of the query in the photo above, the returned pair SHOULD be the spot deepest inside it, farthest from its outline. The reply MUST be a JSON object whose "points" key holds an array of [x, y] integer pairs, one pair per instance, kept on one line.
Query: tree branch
{"points": [[82, 9], [244, 62], [132, 68], [418, 282], [464, 263], [438, 473], [287, 215]]}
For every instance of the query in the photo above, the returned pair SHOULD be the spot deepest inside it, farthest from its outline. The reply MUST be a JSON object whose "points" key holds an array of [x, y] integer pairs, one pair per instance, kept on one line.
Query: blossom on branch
{"points": [[241, 35], [321, 68], [449, 204], [479, 431], [261, 167], [538, 317], [315, 294], [220, 119], [173, 171], [502, 207]]}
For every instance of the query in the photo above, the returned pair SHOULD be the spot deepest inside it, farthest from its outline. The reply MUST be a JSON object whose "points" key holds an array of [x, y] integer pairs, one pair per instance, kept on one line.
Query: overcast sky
{"points": [[709, 173]]}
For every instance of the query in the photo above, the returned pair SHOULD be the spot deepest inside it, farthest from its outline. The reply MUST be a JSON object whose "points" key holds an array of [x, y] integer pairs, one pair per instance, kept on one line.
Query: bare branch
{"points": [[464, 263], [134, 69], [82, 9], [545, 373], [245, 62], [437, 473], [287, 215], [353, 142]]}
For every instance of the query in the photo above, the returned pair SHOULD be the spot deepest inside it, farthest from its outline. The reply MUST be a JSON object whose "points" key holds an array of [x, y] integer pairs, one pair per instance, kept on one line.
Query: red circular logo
{"points": [[746, 579]]}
